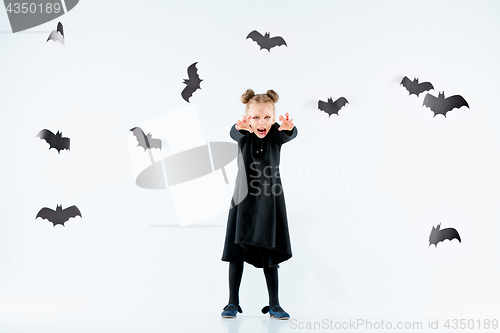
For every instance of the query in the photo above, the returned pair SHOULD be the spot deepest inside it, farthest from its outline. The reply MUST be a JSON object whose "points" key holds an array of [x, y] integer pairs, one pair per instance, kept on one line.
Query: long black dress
{"points": [[257, 225]]}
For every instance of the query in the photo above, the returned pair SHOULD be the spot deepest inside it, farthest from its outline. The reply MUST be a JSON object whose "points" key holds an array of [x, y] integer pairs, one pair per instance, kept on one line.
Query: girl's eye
{"points": [[268, 117]]}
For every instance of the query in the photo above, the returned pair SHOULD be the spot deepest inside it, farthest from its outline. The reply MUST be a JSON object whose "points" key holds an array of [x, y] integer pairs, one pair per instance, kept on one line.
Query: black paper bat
{"points": [[265, 42], [438, 235], [414, 87], [55, 141], [332, 107], [193, 83], [58, 34], [441, 105], [145, 141], [58, 216]]}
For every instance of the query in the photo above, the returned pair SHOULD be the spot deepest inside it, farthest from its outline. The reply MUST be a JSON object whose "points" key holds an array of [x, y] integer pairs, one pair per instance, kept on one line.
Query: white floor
{"points": [[152, 321]]}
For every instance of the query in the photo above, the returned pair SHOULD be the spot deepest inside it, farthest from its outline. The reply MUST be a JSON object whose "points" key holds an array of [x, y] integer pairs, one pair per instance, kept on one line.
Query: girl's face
{"points": [[262, 118]]}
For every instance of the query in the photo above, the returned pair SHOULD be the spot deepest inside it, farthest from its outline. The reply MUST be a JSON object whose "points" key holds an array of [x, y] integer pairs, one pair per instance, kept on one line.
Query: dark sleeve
{"points": [[286, 136], [237, 135]]}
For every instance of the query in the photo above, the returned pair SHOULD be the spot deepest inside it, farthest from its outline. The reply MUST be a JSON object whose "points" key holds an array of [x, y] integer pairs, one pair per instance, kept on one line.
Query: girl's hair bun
{"points": [[273, 95], [247, 96]]}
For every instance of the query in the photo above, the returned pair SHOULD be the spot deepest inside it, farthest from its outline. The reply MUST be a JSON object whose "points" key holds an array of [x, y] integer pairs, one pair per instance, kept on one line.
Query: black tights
{"points": [[235, 274]]}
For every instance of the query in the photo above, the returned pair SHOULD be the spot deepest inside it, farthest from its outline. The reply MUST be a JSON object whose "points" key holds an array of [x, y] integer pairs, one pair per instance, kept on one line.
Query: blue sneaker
{"points": [[230, 311], [276, 312]]}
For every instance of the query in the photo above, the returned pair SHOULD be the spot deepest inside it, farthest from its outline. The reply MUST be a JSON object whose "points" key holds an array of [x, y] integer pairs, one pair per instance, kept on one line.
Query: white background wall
{"points": [[360, 253]]}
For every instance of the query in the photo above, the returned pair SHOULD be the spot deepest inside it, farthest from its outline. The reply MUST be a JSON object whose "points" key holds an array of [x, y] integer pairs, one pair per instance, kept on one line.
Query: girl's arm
{"points": [[287, 130]]}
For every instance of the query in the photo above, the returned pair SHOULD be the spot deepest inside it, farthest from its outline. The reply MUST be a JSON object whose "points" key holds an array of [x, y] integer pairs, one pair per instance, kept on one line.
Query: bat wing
{"points": [[49, 137], [64, 143], [277, 41], [69, 212], [60, 29], [60, 143], [339, 103], [152, 143], [194, 78], [56, 36], [326, 107], [323, 106], [155, 143], [256, 37], [407, 83], [455, 101], [424, 86], [188, 92], [46, 214], [46, 135], [449, 233], [141, 138], [430, 102]]}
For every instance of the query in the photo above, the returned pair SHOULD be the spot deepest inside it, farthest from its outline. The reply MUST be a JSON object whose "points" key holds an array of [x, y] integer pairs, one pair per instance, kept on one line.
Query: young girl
{"points": [[257, 227]]}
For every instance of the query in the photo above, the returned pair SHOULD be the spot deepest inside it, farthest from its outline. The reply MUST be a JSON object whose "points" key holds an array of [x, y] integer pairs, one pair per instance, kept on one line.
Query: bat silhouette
{"points": [[58, 34], [145, 141], [193, 83], [441, 105], [55, 141], [58, 216], [414, 87], [265, 42], [438, 235], [332, 107]]}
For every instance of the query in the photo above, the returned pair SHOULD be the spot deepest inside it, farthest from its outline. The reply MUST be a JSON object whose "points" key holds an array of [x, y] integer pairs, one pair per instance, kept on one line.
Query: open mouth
{"points": [[261, 131]]}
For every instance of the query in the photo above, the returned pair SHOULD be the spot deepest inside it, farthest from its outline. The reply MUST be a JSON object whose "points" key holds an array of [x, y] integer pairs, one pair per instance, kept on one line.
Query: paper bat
{"points": [[438, 235], [193, 83], [441, 105], [145, 141], [58, 216], [55, 141], [332, 107], [265, 42], [57, 35], [414, 87]]}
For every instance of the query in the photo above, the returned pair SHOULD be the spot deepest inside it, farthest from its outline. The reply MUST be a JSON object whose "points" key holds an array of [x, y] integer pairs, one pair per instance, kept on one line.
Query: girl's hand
{"points": [[244, 124], [286, 123]]}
